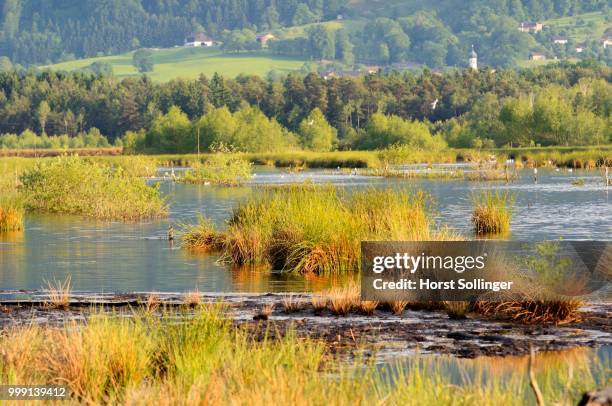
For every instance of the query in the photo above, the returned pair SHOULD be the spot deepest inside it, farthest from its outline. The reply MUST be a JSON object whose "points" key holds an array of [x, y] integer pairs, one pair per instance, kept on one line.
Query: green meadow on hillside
{"points": [[189, 63], [581, 27]]}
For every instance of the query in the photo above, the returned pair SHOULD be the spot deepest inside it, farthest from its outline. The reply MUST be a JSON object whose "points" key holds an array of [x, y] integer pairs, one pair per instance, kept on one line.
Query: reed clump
{"points": [[73, 185], [11, 213], [534, 311], [192, 298], [220, 168], [202, 236], [341, 300], [58, 294], [319, 229], [492, 213]]}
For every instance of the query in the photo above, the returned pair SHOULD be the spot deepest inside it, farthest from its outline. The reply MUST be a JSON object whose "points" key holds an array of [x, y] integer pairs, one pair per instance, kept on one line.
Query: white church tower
{"points": [[473, 59]]}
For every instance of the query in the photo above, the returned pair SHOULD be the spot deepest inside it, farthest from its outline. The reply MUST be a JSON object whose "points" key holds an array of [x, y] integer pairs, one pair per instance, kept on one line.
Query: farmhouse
{"points": [[537, 56], [581, 46], [264, 38], [560, 40], [530, 27], [606, 42], [198, 39]]}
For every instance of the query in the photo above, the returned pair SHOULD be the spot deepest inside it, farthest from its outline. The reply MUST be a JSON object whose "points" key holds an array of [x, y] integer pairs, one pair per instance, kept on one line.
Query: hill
{"points": [[183, 62]]}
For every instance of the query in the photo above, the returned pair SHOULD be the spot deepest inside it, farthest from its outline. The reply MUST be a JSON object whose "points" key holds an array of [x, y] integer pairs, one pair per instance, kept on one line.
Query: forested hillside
{"points": [[436, 33]]}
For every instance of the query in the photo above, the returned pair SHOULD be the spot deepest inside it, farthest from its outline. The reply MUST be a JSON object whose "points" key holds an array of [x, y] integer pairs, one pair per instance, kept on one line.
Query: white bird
{"points": [[434, 104]]}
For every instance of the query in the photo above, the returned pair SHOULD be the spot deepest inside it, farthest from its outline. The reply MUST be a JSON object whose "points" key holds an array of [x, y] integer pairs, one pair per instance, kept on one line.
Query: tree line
{"points": [[560, 104]]}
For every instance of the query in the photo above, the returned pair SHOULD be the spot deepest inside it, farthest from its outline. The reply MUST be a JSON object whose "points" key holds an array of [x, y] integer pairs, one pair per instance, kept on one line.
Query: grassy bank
{"points": [[51, 152], [570, 157], [73, 185], [316, 229], [205, 360]]}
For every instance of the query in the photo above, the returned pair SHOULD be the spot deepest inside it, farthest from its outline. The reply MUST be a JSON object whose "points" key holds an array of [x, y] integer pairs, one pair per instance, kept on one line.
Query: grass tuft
{"points": [[58, 294], [492, 213], [11, 214], [192, 298]]}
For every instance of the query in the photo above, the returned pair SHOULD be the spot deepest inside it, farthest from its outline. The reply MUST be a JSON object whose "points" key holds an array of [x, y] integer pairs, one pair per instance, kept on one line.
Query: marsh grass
{"points": [[192, 298], [316, 229], [291, 304], [492, 213], [11, 213], [397, 307], [341, 300], [532, 311], [151, 304], [318, 302], [201, 236], [219, 168], [58, 293], [73, 185], [204, 360]]}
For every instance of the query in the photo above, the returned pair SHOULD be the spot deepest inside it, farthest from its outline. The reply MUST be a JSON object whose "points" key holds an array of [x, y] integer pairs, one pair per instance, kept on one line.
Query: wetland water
{"points": [[117, 257]]}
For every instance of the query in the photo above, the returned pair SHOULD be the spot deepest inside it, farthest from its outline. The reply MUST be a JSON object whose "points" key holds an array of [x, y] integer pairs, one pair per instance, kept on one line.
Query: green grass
{"points": [[73, 185], [583, 32], [317, 229], [219, 168], [189, 63], [205, 360]]}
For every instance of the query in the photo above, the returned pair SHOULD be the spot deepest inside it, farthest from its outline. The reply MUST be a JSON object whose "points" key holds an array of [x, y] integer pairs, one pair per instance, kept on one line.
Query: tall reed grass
{"points": [[492, 213], [11, 213], [204, 360], [219, 168], [317, 229], [73, 185]]}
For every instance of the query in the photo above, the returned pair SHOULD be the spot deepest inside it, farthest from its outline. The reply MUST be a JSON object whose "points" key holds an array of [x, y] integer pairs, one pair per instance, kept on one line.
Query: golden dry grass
{"points": [[58, 293]]}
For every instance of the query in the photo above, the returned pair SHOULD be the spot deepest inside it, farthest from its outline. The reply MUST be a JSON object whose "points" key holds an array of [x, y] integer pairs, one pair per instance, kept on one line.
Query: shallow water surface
{"points": [[116, 257]]}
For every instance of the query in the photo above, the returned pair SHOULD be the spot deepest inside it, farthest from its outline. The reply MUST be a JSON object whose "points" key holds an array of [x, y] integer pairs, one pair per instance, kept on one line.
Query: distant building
{"points": [[372, 70], [339, 17], [264, 38], [560, 40], [198, 39], [606, 42], [473, 61], [537, 56], [580, 47], [530, 27]]}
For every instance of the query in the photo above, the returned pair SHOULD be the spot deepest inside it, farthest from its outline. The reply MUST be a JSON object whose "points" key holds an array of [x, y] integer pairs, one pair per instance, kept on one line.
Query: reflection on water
{"points": [[570, 371], [112, 256]]}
